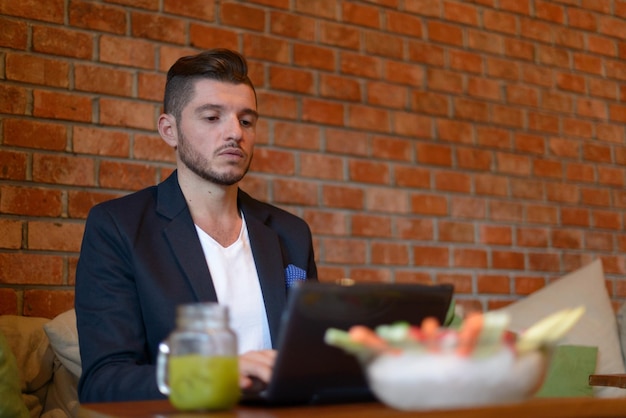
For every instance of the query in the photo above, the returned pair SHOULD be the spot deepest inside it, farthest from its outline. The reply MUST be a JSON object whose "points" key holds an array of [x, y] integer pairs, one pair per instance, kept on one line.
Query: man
{"points": [[194, 237]]}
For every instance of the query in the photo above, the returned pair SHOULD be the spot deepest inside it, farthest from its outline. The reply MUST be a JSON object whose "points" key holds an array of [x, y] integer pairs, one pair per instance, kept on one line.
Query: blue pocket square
{"points": [[294, 274]]}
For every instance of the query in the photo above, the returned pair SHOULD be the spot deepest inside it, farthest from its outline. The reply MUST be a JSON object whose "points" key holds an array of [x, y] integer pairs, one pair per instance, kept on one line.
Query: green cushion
{"points": [[568, 373], [11, 405]]}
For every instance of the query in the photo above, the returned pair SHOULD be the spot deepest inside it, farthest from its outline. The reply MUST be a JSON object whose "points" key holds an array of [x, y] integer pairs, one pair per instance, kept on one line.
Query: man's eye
{"points": [[212, 118], [246, 123]]}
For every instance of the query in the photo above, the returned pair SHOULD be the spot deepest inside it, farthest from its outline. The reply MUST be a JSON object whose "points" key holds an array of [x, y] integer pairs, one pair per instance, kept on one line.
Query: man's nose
{"points": [[234, 129]]}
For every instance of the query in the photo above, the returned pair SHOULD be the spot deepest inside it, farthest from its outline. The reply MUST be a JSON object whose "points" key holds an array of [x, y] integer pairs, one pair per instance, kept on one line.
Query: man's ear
{"points": [[168, 130]]}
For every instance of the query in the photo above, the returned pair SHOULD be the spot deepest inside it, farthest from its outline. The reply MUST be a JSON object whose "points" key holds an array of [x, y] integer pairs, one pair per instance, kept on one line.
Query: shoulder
{"points": [[271, 215]]}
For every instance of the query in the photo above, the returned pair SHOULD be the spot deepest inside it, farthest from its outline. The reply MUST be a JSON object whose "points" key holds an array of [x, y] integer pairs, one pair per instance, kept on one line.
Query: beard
{"points": [[201, 166]]}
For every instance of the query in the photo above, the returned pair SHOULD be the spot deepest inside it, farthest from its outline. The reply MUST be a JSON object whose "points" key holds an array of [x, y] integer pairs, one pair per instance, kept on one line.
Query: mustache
{"points": [[229, 145]]}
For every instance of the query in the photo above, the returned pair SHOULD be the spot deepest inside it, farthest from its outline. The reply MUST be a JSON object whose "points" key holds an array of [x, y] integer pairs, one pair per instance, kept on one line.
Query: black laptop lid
{"points": [[309, 371]]}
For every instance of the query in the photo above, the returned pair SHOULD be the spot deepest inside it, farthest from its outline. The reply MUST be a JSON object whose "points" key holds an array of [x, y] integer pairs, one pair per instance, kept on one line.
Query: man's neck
{"points": [[213, 208]]}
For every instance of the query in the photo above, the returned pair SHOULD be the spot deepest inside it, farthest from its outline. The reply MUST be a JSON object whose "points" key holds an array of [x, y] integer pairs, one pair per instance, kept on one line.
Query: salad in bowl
{"points": [[427, 366]]}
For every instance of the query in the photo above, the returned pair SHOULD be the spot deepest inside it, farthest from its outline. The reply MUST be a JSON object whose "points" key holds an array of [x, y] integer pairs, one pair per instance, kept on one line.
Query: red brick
{"points": [[443, 80], [337, 35], [126, 113], [80, 202], [389, 200], [343, 197], [538, 75], [601, 45], [344, 251], [321, 166], [158, 28], [493, 284], [361, 15], [126, 176], [26, 268], [13, 165], [273, 161], [470, 258], [60, 169], [506, 211], [455, 131], [491, 185], [508, 260], [414, 229], [32, 134], [266, 48], [484, 88], [68, 106], [197, 9], [388, 253], [205, 37], [502, 68], [360, 65], [127, 51], [54, 236], [326, 223], [499, 22], [430, 103], [541, 214], [368, 172], [150, 86], [347, 142], [468, 208], [30, 201], [567, 238], [322, 8], [91, 140], [527, 189], [47, 303], [560, 192], [323, 111], [473, 110], [453, 181], [11, 237], [611, 176], [535, 30], [105, 80], [152, 148], [386, 94], [293, 80], [456, 232], [62, 42], [392, 148], [412, 277], [411, 125], [598, 241], [277, 105], [525, 285], [382, 44], [8, 302], [411, 176], [14, 34], [37, 70], [606, 220], [580, 172], [532, 237], [33, 9], [595, 197], [403, 23], [611, 26], [486, 42], [13, 99], [496, 235], [310, 56], [404, 73], [426, 53], [581, 19], [520, 49], [547, 168], [429, 204], [363, 225], [98, 17], [544, 262], [445, 33], [428, 153], [431, 256], [578, 128], [338, 87], [474, 159], [141, 4]]}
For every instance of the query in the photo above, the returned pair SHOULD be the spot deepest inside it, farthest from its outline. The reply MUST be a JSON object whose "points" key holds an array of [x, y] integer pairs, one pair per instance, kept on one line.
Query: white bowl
{"points": [[419, 380]]}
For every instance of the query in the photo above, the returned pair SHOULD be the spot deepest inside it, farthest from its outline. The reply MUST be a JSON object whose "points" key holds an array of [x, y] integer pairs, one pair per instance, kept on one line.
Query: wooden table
{"points": [[536, 408]]}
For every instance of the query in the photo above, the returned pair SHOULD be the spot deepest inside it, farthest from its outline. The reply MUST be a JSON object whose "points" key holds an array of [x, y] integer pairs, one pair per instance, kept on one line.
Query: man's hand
{"points": [[255, 364]]}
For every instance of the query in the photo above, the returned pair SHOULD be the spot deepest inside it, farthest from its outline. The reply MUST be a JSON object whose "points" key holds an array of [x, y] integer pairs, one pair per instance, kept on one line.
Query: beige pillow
{"points": [[63, 338], [597, 328]]}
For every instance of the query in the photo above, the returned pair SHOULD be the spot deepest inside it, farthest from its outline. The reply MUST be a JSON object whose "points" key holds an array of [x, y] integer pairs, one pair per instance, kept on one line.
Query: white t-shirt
{"points": [[237, 286]]}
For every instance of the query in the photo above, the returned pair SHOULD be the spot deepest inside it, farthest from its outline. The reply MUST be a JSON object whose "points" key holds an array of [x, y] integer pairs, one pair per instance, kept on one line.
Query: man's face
{"points": [[216, 131]]}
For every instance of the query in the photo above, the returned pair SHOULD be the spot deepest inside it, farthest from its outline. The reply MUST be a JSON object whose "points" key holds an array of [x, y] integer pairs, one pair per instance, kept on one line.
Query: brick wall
{"points": [[475, 142]]}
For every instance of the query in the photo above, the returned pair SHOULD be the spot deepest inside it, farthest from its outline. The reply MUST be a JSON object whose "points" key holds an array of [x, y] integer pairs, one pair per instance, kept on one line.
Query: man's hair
{"points": [[216, 64]]}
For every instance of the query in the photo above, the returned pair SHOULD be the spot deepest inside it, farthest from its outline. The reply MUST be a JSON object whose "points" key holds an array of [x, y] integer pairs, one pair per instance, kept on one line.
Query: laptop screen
{"points": [[307, 370]]}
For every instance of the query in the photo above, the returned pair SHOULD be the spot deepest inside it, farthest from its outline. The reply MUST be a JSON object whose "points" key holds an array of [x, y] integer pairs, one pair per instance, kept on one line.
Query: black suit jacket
{"points": [[140, 258]]}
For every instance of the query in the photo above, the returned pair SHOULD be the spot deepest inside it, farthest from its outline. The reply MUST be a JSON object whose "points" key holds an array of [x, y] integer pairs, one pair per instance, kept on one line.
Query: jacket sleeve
{"points": [[116, 364]]}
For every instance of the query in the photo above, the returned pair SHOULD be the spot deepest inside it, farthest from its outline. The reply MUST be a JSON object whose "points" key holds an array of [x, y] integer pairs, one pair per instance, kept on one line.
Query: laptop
{"points": [[307, 370]]}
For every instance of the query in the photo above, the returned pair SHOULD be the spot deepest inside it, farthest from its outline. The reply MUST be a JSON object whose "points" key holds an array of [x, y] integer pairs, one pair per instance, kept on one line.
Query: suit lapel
{"points": [[268, 258], [182, 237]]}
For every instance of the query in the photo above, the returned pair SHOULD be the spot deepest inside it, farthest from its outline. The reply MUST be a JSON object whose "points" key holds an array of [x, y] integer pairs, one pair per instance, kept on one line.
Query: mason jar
{"points": [[197, 365]]}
